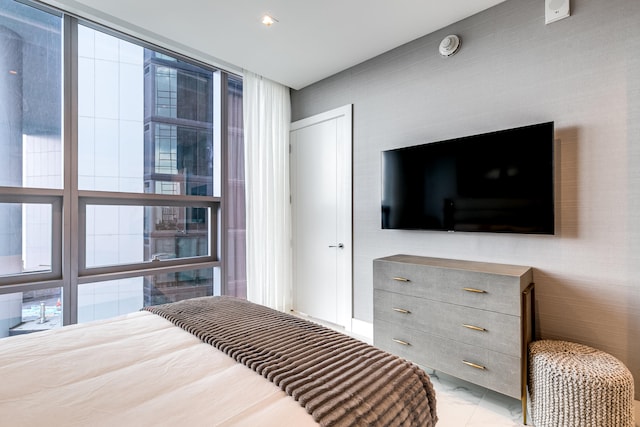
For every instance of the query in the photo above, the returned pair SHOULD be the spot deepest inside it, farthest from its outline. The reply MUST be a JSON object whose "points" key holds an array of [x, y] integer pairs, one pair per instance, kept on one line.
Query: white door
{"points": [[321, 216]]}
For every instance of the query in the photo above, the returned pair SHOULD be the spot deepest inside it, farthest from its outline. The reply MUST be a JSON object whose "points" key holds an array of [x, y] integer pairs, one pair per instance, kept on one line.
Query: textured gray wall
{"points": [[583, 73]]}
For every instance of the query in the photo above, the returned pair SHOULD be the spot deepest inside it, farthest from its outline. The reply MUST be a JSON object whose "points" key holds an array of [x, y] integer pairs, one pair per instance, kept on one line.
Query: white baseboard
{"points": [[362, 329]]}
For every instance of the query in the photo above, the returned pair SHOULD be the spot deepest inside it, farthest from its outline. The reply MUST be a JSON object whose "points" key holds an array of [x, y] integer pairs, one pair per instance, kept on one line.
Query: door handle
{"points": [[339, 246]]}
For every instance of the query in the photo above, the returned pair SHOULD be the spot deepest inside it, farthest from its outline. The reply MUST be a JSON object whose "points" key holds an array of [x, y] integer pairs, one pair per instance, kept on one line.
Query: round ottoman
{"points": [[575, 385]]}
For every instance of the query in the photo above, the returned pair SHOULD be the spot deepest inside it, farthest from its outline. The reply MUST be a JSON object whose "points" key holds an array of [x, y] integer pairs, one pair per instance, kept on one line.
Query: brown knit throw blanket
{"points": [[340, 380]]}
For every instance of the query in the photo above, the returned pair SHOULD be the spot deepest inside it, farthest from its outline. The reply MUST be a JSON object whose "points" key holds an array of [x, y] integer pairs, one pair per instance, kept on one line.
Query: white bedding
{"points": [[133, 370]]}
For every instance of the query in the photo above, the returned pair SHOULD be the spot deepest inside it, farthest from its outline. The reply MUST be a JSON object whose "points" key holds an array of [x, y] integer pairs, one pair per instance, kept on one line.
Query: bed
{"points": [[207, 361]]}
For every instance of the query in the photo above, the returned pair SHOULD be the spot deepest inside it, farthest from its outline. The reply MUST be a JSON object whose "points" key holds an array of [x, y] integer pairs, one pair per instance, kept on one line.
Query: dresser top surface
{"points": [[481, 267]]}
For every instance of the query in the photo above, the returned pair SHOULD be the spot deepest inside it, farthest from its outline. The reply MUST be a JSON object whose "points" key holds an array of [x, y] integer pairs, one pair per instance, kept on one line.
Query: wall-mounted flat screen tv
{"points": [[499, 182]]}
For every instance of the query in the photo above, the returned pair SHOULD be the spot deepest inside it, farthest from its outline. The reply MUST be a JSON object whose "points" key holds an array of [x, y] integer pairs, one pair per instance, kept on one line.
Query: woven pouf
{"points": [[574, 385]]}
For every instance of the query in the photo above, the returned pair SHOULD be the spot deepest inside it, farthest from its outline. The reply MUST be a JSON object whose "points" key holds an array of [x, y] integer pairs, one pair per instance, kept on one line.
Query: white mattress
{"points": [[133, 370]]}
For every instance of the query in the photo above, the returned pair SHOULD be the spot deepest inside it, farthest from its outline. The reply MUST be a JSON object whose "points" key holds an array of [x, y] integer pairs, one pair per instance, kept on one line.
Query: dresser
{"points": [[471, 320]]}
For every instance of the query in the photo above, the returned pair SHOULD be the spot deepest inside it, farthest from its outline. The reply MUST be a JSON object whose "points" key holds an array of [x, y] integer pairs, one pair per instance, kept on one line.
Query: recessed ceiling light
{"points": [[268, 20]]}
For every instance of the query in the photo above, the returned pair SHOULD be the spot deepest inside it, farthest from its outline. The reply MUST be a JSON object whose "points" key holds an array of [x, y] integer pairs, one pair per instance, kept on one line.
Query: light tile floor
{"points": [[462, 404]]}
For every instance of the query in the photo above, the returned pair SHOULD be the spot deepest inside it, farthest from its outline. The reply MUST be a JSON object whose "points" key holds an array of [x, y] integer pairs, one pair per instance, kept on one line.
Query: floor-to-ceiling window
{"points": [[113, 163]]}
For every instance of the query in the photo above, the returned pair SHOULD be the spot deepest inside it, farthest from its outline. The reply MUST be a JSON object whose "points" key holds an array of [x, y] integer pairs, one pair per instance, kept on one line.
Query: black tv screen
{"points": [[494, 182]]}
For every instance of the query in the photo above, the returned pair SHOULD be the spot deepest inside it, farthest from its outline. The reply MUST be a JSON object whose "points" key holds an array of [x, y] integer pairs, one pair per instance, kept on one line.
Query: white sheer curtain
{"points": [[267, 116]]}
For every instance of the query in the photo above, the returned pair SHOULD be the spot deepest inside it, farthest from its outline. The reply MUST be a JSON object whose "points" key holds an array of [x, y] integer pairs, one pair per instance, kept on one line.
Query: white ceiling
{"points": [[311, 41]]}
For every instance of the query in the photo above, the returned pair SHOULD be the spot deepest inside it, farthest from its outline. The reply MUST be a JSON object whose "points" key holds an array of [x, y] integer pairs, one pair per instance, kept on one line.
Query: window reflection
{"points": [[106, 299], [26, 239], [30, 97], [117, 235], [30, 311], [145, 120]]}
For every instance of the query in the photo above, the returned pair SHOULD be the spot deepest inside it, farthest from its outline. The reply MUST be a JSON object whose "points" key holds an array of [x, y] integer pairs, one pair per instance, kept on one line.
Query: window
{"points": [[30, 111], [100, 299], [120, 206], [30, 311], [27, 238]]}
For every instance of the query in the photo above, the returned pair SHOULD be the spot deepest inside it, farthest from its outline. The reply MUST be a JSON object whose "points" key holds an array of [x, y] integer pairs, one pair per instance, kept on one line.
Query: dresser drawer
{"points": [[484, 367], [489, 330], [487, 291]]}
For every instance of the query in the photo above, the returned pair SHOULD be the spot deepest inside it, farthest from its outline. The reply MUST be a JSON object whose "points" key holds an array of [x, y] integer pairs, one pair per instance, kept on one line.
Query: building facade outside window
{"points": [[139, 218]]}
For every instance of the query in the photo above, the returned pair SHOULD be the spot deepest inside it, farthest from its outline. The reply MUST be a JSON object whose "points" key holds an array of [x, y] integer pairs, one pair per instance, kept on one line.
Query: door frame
{"points": [[344, 168]]}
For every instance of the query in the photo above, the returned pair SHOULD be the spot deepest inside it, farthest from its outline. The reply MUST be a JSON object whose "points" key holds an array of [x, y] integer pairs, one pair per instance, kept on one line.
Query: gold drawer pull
{"points": [[401, 279], [400, 341], [401, 310], [477, 291], [474, 365], [475, 328]]}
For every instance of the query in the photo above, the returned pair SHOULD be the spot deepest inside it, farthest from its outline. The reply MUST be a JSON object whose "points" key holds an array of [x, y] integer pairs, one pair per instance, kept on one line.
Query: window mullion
{"points": [[69, 242], [223, 130]]}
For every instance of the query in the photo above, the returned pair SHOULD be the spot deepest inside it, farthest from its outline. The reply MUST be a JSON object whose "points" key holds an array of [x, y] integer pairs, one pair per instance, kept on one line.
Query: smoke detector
{"points": [[449, 45]]}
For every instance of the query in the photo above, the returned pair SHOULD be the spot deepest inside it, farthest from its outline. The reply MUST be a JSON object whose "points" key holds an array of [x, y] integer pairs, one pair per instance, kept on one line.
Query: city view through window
{"points": [[147, 184]]}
